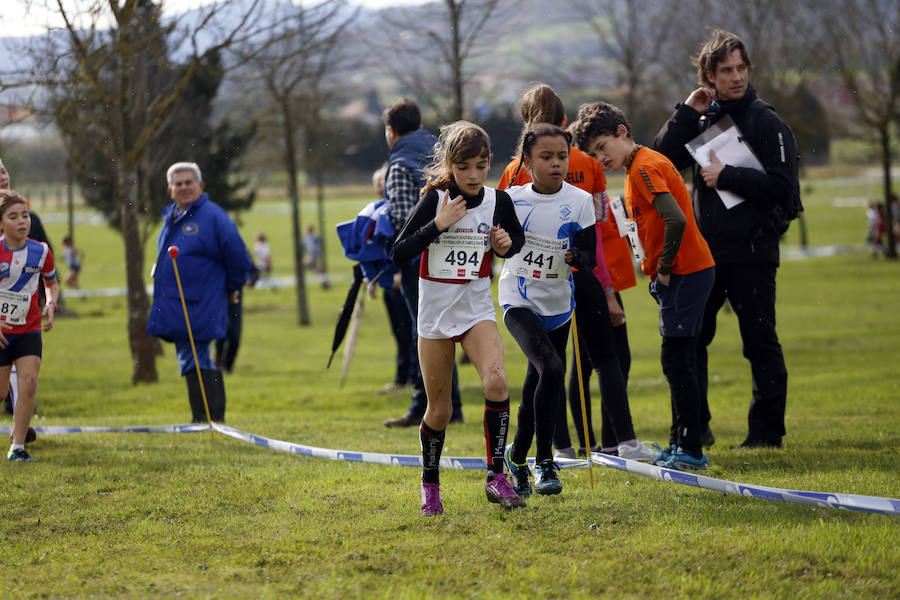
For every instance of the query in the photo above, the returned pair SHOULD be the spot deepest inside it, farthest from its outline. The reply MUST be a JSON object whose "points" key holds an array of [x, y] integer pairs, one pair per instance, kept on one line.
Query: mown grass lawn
{"points": [[139, 515]]}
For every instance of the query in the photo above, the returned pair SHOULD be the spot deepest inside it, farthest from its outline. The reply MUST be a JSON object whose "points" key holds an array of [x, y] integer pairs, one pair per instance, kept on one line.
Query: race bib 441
{"points": [[540, 258]]}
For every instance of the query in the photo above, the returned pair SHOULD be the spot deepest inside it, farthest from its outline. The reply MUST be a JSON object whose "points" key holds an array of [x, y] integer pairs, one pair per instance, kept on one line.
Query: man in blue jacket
{"points": [[214, 265]]}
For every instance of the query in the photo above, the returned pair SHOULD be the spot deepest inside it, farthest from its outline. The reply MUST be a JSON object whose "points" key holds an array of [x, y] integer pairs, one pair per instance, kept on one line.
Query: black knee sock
{"points": [[496, 424], [432, 442]]}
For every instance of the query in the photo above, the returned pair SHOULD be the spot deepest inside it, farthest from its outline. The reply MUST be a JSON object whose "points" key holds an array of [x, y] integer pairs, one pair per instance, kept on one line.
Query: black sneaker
{"points": [[752, 442], [707, 438], [30, 436]]}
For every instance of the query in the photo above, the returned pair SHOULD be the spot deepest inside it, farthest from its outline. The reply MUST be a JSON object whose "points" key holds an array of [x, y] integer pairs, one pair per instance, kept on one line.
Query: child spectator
{"points": [[678, 262], [73, 257]]}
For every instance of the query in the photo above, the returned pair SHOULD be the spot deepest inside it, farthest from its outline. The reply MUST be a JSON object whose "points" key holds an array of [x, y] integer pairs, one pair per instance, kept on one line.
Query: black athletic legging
{"points": [[543, 389], [598, 338]]}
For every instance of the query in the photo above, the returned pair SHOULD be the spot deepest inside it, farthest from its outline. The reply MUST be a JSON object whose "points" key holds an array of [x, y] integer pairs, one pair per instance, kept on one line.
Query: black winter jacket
{"points": [[750, 231]]}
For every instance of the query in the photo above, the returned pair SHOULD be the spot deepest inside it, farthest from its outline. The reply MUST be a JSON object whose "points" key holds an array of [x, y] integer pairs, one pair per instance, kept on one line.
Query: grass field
{"points": [[160, 515]]}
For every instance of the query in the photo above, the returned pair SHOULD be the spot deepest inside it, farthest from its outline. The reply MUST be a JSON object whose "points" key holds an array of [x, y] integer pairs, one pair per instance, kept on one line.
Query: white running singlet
{"points": [[537, 277]]}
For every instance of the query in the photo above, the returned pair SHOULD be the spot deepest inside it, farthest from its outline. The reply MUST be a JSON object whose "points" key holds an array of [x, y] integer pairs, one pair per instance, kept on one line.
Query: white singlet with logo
{"points": [[448, 310], [537, 277]]}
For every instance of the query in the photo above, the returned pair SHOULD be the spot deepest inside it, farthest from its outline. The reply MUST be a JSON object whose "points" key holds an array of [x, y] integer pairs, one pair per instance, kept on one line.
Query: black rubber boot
{"points": [[195, 396], [214, 383]]}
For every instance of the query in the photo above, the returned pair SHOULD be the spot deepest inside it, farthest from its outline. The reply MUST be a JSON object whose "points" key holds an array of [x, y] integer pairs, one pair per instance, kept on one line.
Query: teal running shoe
{"points": [[520, 474], [664, 454], [682, 460], [546, 481], [19, 455]]}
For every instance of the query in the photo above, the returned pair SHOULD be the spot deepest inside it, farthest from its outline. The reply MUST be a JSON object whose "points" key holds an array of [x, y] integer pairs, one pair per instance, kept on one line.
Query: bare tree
{"points": [[291, 66], [428, 53], [103, 56], [866, 53], [630, 33]]}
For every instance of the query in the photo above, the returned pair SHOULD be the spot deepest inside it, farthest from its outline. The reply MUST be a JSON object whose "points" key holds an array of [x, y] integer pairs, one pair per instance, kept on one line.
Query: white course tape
{"points": [[872, 504], [890, 506]]}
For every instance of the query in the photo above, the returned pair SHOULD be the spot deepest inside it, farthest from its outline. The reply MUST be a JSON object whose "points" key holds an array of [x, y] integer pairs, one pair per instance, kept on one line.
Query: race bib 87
{"points": [[14, 307], [457, 255], [540, 258]]}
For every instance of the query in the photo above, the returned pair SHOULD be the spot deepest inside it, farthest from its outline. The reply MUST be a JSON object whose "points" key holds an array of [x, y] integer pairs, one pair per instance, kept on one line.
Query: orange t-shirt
{"points": [[650, 173], [586, 173]]}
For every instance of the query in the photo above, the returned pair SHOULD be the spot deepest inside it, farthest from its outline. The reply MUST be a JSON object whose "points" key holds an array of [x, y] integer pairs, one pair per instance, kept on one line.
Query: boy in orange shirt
{"points": [[678, 262]]}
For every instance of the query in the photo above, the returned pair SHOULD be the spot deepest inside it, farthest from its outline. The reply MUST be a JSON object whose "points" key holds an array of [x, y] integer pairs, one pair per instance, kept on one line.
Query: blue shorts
{"points": [[682, 302], [550, 322]]}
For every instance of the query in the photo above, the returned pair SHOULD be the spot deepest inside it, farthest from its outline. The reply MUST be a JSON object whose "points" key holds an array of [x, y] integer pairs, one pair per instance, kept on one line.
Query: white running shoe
{"points": [[564, 453], [635, 450]]}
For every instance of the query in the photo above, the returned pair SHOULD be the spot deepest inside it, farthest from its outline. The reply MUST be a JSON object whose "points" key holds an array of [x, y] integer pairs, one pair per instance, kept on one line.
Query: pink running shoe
{"points": [[499, 491], [431, 499]]}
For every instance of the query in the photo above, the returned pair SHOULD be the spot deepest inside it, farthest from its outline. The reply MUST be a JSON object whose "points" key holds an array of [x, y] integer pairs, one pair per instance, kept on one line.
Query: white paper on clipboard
{"points": [[725, 139]]}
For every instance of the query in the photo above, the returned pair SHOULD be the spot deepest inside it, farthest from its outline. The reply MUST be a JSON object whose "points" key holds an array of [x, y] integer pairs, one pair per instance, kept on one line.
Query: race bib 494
{"points": [[457, 255]]}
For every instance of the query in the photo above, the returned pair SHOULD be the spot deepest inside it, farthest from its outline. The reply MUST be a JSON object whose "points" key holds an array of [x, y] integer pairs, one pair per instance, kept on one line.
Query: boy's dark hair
{"points": [[539, 130], [8, 198], [403, 116], [716, 49], [596, 119]]}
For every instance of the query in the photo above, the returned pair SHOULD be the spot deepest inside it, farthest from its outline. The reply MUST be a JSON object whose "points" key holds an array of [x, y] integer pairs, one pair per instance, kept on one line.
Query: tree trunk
{"points": [[143, 346], [890, 250], [456, 111], [320, 215], [290, 158]]}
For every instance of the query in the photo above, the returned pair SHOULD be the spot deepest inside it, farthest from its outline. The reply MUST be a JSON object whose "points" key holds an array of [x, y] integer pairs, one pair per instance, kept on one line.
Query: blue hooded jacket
{"points": [[414, 150], [212, 263]]}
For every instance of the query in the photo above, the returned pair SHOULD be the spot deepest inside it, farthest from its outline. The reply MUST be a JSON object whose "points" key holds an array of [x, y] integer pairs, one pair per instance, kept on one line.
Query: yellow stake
{"points": [[173, 252], [584, 421]]}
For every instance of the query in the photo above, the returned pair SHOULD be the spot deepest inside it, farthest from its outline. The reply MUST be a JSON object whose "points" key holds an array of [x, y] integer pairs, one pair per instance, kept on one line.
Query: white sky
{"points": [[16, 19]]}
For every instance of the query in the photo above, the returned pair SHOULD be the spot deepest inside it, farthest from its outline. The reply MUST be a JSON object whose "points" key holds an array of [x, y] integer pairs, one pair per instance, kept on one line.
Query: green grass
{"points": [[138, 515]]}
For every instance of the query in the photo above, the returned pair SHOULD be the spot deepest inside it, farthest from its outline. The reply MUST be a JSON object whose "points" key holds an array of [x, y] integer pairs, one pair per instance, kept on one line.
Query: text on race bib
{"points": [[14, 307], [540, 258], [457, 255]]}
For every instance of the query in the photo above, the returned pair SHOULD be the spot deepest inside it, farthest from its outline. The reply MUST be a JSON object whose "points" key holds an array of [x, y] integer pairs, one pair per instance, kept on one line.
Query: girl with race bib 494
{"points": [[457, 227]]}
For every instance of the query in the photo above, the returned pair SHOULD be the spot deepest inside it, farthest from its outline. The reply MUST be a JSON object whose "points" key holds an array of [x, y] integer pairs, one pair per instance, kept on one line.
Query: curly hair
{"points": [[596, 119]]}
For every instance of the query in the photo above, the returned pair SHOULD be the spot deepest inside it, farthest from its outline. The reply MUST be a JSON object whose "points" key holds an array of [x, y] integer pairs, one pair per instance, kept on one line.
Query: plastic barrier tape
{"points": [[872, 504]]}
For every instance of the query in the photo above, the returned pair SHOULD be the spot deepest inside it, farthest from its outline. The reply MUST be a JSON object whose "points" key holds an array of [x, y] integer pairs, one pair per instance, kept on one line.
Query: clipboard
{"points": [[726, 140]]}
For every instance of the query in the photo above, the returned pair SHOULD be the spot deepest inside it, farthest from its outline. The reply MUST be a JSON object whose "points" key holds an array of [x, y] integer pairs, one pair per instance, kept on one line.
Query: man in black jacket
{"points": [[744, 238]]}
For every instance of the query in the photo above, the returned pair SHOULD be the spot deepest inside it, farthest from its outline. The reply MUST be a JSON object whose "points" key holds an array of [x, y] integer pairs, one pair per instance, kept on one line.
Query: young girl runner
{"points": [[679, 264], [23, 262], [536, 293], [457, 226], [603, 338]]}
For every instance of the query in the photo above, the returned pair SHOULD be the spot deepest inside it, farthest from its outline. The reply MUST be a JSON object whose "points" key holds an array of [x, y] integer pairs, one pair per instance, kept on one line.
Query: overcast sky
{"points": [[17, 20]]}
